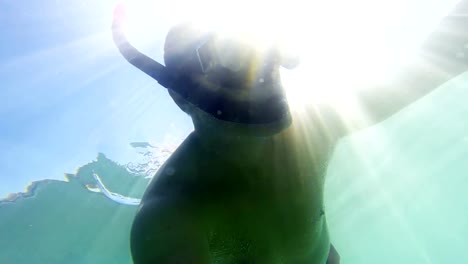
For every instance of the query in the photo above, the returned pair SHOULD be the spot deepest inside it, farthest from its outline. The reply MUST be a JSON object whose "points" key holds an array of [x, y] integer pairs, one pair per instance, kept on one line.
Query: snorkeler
{"points": [[246, 186]]}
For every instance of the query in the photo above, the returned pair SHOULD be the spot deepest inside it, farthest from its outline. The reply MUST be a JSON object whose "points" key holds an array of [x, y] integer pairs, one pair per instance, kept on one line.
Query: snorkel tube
{"points": [[147, 65], [273, 112]]}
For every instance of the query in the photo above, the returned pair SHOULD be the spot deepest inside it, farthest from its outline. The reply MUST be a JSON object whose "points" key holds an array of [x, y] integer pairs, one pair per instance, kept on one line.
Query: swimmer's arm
{"points": [[149, 66], [443, 56]]}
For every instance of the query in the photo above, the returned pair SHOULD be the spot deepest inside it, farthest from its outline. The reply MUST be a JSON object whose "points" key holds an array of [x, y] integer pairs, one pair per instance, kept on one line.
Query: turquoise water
{"points": [[395, 193], [62, 222]]}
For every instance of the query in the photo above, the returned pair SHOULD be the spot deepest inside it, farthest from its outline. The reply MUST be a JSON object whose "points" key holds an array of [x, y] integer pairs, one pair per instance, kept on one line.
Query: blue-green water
{"points": [[63, 222], [395, 193]]}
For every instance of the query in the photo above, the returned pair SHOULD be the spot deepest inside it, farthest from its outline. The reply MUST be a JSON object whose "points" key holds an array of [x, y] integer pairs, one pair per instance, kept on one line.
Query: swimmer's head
{"points": [[243, 79]]}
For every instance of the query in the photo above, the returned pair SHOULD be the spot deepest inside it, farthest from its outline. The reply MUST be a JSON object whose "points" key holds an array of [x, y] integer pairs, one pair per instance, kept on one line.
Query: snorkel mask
{"points": [[210, 52], [227, 53]]}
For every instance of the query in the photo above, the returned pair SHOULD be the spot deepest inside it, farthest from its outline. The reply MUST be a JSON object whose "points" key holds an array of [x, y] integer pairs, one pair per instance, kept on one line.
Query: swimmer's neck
{"points": [[234, 141], [232, 146]]}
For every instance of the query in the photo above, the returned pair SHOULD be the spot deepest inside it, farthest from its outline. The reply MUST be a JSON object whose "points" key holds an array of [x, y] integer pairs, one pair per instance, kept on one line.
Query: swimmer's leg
{"points": [[165, 232], [333, 256]]}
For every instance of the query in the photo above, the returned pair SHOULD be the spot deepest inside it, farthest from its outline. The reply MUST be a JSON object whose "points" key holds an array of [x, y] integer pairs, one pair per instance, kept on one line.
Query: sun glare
{"points": [[342, 44]]}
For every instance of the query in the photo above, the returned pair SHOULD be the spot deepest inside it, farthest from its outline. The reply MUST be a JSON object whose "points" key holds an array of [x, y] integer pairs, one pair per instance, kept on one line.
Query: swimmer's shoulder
{"points": [[184, 173]]}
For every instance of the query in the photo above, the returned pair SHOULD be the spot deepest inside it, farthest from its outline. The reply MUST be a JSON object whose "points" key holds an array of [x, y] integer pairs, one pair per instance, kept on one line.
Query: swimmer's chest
{"points": [[255, 208], [265, 213], [268, 209], [287, 169]]}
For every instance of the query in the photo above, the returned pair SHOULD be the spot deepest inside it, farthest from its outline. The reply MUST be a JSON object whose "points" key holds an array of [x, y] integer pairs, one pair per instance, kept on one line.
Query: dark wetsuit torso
{"points": [[269, 210]]}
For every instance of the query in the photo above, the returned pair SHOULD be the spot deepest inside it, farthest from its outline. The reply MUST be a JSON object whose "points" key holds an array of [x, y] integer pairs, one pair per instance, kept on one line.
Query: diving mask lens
{"points": [[231, 54], [206, 55], [226, 53]]}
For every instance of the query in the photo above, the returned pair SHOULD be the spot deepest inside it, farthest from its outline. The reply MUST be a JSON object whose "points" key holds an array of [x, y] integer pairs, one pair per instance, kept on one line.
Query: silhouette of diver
{"points": [[247, 185]]}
